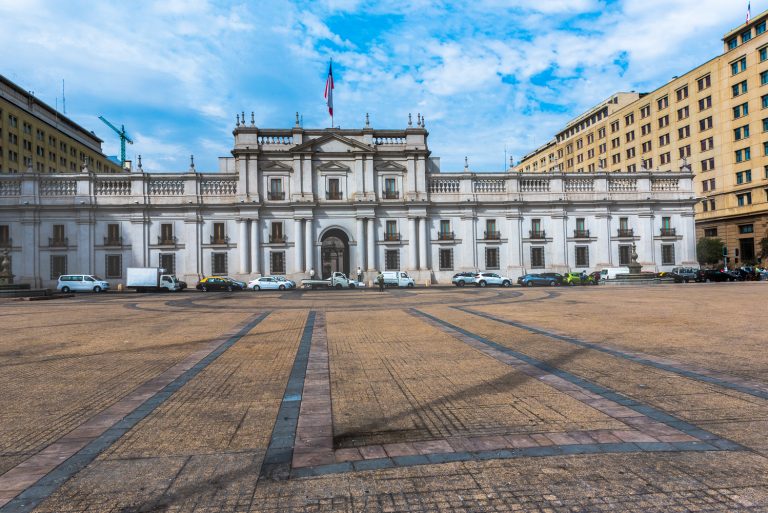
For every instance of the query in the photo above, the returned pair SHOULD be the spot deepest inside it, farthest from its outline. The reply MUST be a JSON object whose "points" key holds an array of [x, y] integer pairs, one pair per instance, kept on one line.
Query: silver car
{"points": [[268, 283], [485, 279]]}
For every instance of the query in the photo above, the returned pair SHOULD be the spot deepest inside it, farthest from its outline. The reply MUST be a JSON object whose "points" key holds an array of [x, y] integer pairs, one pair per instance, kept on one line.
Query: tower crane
{"points": [[123, 138]]}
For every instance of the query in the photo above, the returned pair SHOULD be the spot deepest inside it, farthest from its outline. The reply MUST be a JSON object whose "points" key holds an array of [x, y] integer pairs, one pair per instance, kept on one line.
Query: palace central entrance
{"points": [[334, 253]]}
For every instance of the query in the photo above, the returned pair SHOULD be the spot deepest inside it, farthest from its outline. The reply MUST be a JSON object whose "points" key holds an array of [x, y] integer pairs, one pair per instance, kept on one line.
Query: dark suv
{"points": [[717, 275], [686, 274]]}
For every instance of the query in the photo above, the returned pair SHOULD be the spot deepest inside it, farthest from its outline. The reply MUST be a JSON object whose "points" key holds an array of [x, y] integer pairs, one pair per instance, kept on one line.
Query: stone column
{"points": [[255, 247], [423, 244], [360, 249], [371, 244], [412, 246], [514, 244], [310, 247], [298, 241], [242, 246]]}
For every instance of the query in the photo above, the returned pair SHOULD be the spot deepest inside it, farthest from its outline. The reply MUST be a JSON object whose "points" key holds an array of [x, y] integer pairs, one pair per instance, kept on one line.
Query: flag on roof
{"points": [[329, 89]]}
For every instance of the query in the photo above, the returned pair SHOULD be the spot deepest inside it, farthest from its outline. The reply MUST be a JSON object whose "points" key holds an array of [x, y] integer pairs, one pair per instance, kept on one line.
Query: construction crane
{"points": [[123, 138]]}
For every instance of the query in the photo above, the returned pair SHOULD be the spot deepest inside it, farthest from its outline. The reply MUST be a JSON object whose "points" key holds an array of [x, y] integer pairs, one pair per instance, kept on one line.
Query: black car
{"points": [[557, 276], [717, 275], [220, 283]]}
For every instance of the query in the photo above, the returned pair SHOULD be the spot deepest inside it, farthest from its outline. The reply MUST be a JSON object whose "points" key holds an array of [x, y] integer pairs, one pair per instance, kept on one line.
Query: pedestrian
{"points": [[312, 273], [380, 280], [359, 274]]}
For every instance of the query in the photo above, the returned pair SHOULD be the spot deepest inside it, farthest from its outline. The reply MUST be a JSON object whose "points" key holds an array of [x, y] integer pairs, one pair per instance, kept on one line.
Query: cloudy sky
{"points": [[489, 75]]}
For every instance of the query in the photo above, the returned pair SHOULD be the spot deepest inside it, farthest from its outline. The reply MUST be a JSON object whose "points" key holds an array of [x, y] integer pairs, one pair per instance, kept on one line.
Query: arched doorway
{"points": [[334, 253]]}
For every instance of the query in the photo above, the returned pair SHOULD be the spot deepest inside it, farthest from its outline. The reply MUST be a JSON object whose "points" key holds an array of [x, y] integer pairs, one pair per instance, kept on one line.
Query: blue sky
{"points": [[487, 74]]}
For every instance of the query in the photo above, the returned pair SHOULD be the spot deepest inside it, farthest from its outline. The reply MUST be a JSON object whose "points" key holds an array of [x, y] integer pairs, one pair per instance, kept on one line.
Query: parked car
{"points": [[182, 284], [686, 274], [717, 275], [609, 273], [397, 279], [289, 283], [559, 278], [484, 279], [461, 279], [538, 280], [270, 283], [596, 275], [578, 279], [81, 283], [220, 283]]}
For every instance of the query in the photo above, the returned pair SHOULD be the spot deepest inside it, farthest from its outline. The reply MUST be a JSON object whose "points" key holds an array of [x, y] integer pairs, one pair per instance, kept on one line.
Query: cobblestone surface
{"points": [[398, 411]]}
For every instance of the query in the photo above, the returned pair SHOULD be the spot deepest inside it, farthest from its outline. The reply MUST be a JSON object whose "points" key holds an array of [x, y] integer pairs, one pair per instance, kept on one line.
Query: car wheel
{"points": [[65, 290], [506, 283], [97, 289], [686, 281], [410, 285], [460, 283], [204, 288], [338, 285], [282, 287], [482, 284], [229, 288], [571, 284], [529, 284], [551, 283], [351, 285], [256, 288]]}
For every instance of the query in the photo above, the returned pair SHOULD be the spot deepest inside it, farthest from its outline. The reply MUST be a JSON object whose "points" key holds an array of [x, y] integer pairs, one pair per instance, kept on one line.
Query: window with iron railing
{"points": [[113, 264], [276, 234], [59, 238], [277, 262], [625, 252], [219, 263], [166, 234], [390, 189], [219, 234], [392, 260], [334, 189], [58, 266], [445, 232], [391, 234], [537, 258], [582, 256], [446, 259], [625, 232], [491, 258], [491, 233], [276, 189], [5, 236], [113, 237]]}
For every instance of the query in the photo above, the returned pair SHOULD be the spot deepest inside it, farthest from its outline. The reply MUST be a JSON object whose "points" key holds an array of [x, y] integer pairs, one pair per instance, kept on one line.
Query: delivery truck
{"points": [[149, 279]]}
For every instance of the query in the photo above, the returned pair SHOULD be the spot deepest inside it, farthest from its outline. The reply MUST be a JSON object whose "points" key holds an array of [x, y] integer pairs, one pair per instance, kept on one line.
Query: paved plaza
{"points": [[583, 399]]}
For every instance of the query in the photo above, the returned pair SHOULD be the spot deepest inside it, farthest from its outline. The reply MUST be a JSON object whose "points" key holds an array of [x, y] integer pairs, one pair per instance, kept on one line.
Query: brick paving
{"points": [[359, 401]]}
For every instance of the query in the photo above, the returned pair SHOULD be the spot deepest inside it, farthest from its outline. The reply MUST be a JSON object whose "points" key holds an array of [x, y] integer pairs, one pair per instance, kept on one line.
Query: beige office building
{"points": [[713, 118], [37, 138]]}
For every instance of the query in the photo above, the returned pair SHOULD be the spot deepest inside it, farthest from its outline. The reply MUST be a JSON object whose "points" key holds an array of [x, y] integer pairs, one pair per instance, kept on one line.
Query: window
{"points": [[704, 82], [631, 168], [705, 103], [684, 151], [614, 126], [746, 36], [492, 258], [662, 103], [59, 236], [738, 66], [705, 124], [647, 146], [765, 148], [763, 52], [741, 133], [708, 164], [590, 138], [760, 28], [58, 266], [276, 234], [445, 230], [219, 234], [591, 153], [708, 185], [601, 133], [708, 204], [446, 259], [629, 119], [218, 263], [682, 93], [764, 101], [392, 260], [764, 78], [684, 132], [667, 254], [537, 258], [739, 89], [391, 233], [615, 159], [664, 121], [13, 139], [334, 189], [390, 188], [113, 234], [602, 148], [579, 144], [645, 111], [740, 110], [645, 129], [582, 256], [114, 266], [746, 229], [743, 177], [744, 199], [167, 261], [630, 136], [491, 233], [166, 233], [710, 232], [625, 251], [743, 155], [630, 153], [276, 189], [664, 140], [5, 235], [665, 158], [277, 262], [733, 43], [615, 142]]}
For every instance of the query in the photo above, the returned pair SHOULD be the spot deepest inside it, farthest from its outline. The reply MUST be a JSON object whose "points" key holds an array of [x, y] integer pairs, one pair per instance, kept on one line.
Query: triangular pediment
{"points": [[333, 166], [391, 167], [333, 143], [276, 166]]}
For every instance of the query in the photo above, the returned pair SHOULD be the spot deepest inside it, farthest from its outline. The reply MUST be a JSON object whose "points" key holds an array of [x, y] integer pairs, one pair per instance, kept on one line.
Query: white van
{"points": [[397, 279], [609, 273], [81, 283]]}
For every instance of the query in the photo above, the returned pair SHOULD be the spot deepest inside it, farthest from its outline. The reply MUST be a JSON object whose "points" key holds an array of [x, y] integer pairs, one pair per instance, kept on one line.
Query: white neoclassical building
{"points": [[291, 200]]}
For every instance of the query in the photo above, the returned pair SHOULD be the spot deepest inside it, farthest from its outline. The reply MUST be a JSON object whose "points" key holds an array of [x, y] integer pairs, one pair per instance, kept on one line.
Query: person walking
{"points": [[359, 274], [312, 274], [380, 280]]}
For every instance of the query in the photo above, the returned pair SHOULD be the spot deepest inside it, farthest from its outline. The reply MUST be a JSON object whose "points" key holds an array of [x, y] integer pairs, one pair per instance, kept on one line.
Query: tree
{"points": [[709, 250], [764, 247]]}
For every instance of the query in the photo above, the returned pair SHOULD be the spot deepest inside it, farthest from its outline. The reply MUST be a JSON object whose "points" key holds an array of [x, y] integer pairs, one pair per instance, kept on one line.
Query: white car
{"points": [[485, 279], [290, 283], [270, 283], [81, 283]]}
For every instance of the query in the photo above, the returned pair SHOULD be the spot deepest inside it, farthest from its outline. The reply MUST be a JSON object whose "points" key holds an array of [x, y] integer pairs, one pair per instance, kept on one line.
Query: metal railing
{"points": [[581, 234], [492, 235], [58, 243], [6, 243], [276, 196], [389, 236], [391, 194], [626, 232], [277, 238], [537, 234], [334, 195], [668, 232], [166, 241], [445, 236], [220, 240], [113, 241]]}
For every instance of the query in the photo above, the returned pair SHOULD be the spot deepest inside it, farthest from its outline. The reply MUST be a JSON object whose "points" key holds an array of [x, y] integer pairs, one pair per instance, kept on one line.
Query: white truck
{"points": [[397, 279], [147, 279], [336, 281]]}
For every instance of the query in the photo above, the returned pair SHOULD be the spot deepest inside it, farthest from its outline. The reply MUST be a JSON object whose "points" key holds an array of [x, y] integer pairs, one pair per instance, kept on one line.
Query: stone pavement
{"points": [[560, 400]]}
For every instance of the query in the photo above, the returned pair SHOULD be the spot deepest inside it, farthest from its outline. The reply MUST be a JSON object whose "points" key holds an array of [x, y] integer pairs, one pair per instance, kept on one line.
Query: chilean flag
{"points": [[329, 89], [749, 10]]}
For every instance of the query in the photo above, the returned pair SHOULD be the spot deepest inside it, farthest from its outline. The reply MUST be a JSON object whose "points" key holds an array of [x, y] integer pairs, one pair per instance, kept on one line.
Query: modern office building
{"points": [[291, 200], [37, 138], [713, 118]]}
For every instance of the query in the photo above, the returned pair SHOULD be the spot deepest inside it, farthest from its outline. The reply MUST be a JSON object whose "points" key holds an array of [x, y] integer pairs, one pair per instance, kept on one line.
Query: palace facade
{"points": [[291, 200]]}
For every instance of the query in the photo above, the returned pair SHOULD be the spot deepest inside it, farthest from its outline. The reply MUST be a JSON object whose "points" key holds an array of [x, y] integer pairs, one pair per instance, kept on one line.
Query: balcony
{"points": [[58, 243], [537, 234], [113, 241], [219, 241], [277, 238], [6, 243], [625, 233], [492, 235], [391, 237], [580, 234], [166, 240], [390, 195], [276, 195], [334, 195], [445, 236], [667, 232]]}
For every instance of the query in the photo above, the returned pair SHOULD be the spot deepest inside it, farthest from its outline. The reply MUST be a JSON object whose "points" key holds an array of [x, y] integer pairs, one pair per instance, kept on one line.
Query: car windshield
{"points": [[97, 278]]}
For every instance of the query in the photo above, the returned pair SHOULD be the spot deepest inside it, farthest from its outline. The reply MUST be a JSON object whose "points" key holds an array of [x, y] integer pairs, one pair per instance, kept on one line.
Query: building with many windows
{"points": [[35, 137], [291, 200], [713, 119]]}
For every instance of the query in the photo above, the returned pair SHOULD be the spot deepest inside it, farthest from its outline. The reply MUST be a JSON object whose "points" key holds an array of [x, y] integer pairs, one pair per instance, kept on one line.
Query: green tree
{"points": [[764, 247], [709, 250]]}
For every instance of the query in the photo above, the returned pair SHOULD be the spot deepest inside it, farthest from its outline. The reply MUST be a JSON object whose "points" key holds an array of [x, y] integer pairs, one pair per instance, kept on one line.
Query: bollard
{"points": [[119, 287]]}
